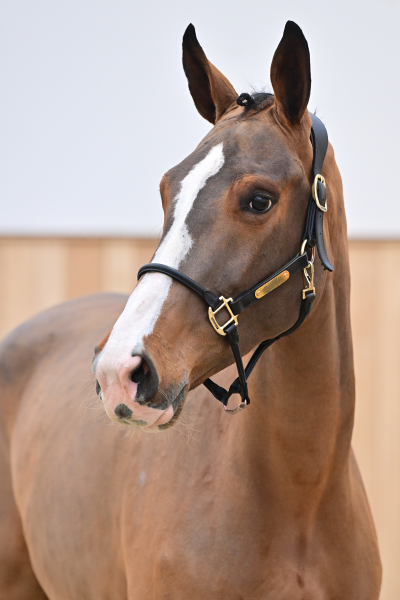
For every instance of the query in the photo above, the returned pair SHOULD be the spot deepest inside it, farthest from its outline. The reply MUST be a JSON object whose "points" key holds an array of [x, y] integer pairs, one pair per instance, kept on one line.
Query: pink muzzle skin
{"points": [[118, 393]]}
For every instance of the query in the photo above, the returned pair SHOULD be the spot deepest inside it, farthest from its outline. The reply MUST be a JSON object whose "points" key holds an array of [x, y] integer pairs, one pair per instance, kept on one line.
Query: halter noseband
{"points": [[313, 235]]}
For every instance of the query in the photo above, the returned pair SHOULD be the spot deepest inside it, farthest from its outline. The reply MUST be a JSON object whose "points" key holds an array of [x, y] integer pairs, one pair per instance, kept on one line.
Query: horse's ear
{"points": [[291, 73], [211, 91]]}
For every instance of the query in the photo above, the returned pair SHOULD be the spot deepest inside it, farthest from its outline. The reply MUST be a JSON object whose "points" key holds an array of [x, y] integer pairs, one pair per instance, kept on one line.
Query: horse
{"points": [[264, 504]]}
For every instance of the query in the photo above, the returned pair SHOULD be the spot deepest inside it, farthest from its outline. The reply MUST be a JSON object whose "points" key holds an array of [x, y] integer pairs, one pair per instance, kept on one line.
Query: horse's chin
{"points": [[177, 406], [166, 419]]}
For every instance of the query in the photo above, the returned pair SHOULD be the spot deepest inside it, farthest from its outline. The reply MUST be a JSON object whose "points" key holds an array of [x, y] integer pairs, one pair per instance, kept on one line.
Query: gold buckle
{"points": [[211, 315], [314, 190]]}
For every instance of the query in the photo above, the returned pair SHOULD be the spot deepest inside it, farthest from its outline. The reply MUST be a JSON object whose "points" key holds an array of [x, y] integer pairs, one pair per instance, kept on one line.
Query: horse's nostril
{"points": [[138, 375], [98, 388], [143, 373], [123, 412]]}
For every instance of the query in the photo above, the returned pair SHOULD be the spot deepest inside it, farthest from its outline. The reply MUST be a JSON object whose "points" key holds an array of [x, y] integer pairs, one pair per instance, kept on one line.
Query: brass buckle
{"points": [[211, 315], [308, 279], [314, 190]]}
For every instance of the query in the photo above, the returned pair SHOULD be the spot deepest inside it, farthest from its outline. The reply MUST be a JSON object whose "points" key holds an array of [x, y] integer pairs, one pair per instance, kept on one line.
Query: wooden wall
{"points": [[375, 304], [37, 273]]}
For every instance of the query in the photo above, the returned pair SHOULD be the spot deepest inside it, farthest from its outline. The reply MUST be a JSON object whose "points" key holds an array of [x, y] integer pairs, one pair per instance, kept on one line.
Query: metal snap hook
{"points": [[308, 278]]}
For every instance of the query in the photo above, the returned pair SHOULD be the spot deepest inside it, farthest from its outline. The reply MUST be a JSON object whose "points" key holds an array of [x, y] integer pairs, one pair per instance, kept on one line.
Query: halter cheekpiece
{"points": [[313, 235]]}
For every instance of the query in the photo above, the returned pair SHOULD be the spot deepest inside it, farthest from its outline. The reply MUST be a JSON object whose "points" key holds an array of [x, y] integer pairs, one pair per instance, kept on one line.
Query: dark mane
{"points": [[261, 97]]}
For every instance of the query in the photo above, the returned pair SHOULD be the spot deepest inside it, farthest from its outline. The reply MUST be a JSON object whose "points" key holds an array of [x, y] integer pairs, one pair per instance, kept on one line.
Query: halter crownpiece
{"points": [[317, 206], [313, 235]]}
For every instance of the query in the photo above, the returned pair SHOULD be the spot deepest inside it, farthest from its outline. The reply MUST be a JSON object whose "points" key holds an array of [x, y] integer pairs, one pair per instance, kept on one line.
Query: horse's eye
{"points": [[260, 204]]}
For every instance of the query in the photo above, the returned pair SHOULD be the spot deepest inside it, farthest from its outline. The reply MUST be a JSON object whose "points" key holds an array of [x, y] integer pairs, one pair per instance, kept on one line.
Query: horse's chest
{"points": [[198, 555]]}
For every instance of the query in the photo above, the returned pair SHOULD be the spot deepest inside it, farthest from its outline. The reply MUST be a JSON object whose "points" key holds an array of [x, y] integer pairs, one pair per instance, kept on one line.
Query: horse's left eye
{"points": [[260, 204]]}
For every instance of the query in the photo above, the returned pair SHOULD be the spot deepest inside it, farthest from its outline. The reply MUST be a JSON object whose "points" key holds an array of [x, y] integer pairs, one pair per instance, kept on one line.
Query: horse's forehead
{"points": [[247, 145]]}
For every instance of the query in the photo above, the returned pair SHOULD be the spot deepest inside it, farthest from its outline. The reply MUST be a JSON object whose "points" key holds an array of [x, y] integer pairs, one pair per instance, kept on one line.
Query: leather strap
{"points": [[208, 297], [233, 337], [319, 234], [223, 395], [240, 302], [319, 140], [248, 298], [314, 229]]}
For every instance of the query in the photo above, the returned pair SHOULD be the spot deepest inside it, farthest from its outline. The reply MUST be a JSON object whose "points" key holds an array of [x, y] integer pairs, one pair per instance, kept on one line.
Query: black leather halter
{"points": [[313, 235]]}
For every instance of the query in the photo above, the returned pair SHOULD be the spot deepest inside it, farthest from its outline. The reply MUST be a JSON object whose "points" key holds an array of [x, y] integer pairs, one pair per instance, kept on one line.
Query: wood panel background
{"points": [[38, 273]]}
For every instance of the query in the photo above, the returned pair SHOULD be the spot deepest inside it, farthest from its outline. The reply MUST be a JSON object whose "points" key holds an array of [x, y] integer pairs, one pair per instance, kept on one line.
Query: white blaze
{"points": [[145, 304]]}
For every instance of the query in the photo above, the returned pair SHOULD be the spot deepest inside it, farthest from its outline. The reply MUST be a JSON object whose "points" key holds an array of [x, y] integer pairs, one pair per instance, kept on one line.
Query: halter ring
{"points": [[303, 249], [235, 411]]}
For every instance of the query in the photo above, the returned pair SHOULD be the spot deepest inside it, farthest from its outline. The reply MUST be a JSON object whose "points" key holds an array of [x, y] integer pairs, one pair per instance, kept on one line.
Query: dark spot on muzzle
{"points": [[123, 412]]}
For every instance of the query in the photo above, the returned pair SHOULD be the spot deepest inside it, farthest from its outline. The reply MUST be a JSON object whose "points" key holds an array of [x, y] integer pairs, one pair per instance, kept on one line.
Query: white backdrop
{"points": [[95, 108]]}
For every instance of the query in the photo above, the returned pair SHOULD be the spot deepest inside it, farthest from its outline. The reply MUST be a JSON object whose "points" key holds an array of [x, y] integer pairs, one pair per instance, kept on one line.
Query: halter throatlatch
{"points": [[313, 235]]}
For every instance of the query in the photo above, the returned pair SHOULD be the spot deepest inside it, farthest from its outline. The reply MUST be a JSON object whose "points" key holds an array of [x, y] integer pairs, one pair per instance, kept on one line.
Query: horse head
{"points": [[234, 212]]}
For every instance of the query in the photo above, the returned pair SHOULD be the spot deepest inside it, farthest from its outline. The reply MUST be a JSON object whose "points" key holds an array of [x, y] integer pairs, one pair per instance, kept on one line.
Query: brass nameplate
{"points": [[271, 285]]}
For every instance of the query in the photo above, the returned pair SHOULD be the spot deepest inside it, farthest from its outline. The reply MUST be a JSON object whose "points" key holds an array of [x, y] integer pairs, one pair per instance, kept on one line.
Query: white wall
{"points": [[94, 106]]}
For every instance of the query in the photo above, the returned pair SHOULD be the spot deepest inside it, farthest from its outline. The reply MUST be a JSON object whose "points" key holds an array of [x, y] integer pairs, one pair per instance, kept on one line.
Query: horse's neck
{"points": [[298, 427]]}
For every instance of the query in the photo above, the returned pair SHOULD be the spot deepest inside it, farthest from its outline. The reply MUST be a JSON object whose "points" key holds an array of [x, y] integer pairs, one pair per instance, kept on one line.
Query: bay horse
{"points": [[268, 504]]}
